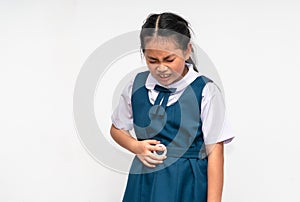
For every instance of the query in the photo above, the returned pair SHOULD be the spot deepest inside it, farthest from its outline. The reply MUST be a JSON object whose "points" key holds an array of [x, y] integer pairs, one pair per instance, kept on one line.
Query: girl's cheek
{"points": [[151, 65]]}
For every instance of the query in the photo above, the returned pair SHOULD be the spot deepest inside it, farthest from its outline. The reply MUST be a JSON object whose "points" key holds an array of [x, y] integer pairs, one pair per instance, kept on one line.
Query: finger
{"points": [[146, 163], [152, 141], [156, 148], [153, 161], [142, 159], [157, 157]]}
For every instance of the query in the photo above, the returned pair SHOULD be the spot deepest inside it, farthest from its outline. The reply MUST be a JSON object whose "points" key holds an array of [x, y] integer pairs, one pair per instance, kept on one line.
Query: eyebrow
{"points": [[165, 58]]}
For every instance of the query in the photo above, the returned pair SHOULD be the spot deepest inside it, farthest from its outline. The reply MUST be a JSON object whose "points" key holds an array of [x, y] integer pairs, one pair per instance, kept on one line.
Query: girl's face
{"points": [[165, 60]]}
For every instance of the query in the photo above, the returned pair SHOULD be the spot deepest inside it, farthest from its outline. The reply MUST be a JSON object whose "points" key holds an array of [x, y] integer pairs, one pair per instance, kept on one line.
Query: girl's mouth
{"points": [[164, 76]]}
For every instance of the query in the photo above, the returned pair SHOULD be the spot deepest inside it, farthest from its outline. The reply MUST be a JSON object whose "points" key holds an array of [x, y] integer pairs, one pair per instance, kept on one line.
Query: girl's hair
{"points": [[167, 25]]}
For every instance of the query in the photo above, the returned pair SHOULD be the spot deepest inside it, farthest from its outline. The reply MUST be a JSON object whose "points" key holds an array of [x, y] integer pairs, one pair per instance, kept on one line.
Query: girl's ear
{"points": [[188, 51]]}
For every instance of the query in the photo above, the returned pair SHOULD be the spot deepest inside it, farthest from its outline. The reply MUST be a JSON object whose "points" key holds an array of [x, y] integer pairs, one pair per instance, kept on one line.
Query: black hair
{"points": [[167, 25]]}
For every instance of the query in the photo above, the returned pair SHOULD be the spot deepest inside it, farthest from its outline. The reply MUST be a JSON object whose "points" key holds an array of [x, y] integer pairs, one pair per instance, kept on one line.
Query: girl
{"points": [[172, 109]]}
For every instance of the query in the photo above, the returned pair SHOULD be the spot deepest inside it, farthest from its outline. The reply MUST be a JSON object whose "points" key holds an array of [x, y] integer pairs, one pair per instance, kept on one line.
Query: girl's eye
{"points": [[155, 61]]}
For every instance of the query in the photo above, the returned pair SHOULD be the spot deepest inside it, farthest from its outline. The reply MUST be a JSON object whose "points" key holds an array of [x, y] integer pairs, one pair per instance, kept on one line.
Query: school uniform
{"points": [[185, 116]]}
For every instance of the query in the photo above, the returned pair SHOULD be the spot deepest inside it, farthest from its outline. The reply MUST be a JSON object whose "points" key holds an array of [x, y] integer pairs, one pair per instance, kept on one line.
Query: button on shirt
{"points": [[215, 125]]}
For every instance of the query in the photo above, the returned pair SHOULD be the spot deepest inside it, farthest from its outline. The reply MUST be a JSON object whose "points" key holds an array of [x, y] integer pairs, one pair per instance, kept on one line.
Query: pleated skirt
{"points": [[184, 180]]}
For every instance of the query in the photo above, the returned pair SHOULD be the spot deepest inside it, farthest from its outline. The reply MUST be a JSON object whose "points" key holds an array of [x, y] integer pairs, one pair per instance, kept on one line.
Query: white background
{"points": [[254, 45]]}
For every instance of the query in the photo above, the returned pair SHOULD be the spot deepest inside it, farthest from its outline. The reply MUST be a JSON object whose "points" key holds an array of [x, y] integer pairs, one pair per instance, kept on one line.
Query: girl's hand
{"points": [[144, 149]]}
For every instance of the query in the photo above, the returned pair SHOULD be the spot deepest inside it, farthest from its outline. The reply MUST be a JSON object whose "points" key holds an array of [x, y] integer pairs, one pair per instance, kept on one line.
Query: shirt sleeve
{"points": [[122, 115], [215, 124]]}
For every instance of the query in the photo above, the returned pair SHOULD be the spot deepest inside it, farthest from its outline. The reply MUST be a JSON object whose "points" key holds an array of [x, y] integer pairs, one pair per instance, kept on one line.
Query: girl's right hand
{"points": [[144, 151]]}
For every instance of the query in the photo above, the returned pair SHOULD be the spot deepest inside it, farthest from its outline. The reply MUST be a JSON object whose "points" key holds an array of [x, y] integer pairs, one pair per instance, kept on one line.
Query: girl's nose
{"points": [[162, 68]]}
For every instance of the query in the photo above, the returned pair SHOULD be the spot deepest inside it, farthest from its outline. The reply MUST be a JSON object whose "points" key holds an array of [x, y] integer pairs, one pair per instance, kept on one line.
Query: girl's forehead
{"points": [[157, 53], [167, 44]]}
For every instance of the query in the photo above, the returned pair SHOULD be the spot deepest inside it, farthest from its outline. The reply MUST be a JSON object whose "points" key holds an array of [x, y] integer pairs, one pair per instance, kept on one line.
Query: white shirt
{"points": [[215, 124]]}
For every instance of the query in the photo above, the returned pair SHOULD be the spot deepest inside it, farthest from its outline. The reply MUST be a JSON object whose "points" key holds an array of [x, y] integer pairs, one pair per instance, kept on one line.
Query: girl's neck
{"points": [[185, 71]]}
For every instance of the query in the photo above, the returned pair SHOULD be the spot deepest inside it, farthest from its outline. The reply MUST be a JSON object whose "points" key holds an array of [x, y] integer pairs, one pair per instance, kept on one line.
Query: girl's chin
{"points": [[165, 81]]}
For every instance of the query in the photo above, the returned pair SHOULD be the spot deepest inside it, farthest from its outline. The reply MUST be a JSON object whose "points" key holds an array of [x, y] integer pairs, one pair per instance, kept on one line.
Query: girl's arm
{"points": [[143, 149], [215, 171]]}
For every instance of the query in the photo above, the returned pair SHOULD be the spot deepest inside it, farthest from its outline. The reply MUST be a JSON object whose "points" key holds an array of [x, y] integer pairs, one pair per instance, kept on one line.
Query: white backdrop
{"points": [[254, 45]]}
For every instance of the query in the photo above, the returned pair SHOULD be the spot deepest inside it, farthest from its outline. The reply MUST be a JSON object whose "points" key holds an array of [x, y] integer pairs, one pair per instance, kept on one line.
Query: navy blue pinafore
{"points": [[183, 175]]}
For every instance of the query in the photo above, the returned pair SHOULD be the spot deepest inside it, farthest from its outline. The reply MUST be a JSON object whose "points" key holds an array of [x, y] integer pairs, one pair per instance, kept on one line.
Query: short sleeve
{"points": [[122, 115], [215, 124]]}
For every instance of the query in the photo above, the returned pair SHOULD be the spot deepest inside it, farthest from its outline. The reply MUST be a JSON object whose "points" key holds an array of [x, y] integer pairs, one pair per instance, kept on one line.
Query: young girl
{"points": [[175, 111]]}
